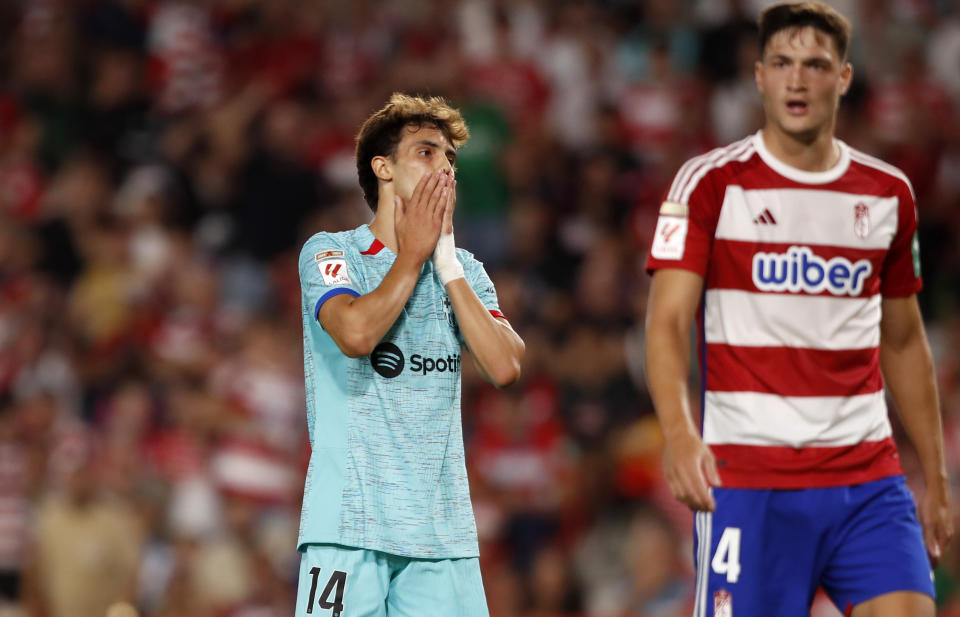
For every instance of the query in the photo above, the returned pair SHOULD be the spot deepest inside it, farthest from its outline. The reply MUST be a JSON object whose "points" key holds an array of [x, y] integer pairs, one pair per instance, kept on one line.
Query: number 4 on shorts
{"points": [[338, 580], [727, 558]]}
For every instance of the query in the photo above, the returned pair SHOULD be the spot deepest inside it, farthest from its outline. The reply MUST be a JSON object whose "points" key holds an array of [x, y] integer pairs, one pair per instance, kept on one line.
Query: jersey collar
{"points": [[799, 175]]}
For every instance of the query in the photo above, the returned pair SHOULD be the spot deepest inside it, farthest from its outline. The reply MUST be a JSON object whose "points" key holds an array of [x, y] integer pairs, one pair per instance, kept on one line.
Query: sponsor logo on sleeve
{"points": [[328, 254], [670, 237], [334, 271]]}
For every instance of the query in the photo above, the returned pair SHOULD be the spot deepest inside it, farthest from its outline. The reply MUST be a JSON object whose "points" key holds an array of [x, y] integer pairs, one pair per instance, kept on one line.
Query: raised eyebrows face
{"points": [[801, 77]]}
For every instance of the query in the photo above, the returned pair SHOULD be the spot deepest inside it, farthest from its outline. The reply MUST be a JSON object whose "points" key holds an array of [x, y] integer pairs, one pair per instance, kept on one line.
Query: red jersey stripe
{"points": [[791, 371], [732, 266], [781, 467]]}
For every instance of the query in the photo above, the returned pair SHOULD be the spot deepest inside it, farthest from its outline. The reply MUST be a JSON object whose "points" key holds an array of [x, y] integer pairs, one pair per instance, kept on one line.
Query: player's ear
{"points": [[382, 168], [758, 74], [846, 77]]}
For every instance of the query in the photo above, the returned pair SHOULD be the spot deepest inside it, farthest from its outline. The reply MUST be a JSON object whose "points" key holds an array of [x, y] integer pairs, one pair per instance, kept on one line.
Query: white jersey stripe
{"points": [[740, 154], [735, 317], [807, 216], [688, 168], [870, 161], [751, 418]]}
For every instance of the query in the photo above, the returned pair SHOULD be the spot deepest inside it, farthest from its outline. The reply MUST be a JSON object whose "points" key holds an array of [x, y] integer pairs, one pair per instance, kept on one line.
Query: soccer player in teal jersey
{"points": [[387, 527]]}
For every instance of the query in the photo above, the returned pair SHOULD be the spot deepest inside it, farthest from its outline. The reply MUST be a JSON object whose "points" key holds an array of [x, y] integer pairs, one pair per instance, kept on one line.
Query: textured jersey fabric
{"points": [[387, 468], [795, 266]]}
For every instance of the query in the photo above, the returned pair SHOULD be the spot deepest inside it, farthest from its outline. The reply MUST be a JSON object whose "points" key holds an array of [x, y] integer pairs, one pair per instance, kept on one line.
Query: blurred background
{"points": [[161, 163]]}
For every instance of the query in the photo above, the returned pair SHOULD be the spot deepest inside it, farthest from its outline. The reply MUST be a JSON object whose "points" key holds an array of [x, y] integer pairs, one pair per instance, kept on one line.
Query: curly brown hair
{"points": [[817, 15], [382, 131]]}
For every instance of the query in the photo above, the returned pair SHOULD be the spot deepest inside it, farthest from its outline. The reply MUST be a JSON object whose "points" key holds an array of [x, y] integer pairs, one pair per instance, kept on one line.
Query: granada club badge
{"points": [[861, 221], [722, 604]]}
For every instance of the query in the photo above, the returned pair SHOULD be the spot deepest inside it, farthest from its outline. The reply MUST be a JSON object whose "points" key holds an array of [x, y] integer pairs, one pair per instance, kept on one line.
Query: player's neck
{"points": [[819, 154], [382, 225]]}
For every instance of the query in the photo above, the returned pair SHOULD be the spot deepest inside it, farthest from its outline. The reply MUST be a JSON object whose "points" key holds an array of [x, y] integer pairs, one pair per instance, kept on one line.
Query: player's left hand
{"points": [[936, 516]]}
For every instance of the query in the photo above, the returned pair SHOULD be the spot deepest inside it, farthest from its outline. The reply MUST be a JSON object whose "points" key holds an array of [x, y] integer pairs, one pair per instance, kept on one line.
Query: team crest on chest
{"points": [[861, 221]]}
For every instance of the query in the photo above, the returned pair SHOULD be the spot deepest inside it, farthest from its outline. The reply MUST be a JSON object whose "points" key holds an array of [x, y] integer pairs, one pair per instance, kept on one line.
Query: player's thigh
{"points": [[897, 604], [749, 564], [880, 549], [437, 588], [338, 581]]}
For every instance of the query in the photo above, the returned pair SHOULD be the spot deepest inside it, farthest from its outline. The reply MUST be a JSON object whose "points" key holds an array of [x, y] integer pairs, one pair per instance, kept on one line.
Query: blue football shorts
{"points": [[765, 552], [341, 581]]}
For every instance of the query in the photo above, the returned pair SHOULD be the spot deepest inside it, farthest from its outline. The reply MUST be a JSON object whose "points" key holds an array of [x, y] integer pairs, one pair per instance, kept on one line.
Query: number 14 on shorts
{"points": [[335, 585]]}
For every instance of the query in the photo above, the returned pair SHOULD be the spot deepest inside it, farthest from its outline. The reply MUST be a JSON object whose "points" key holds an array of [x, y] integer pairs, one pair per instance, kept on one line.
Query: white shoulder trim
{"points": [[696, 168]]}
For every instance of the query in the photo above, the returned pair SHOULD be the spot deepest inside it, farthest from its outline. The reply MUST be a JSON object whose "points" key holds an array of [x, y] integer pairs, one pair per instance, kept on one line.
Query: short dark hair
{"points": [[382, 131], [802, 14]]}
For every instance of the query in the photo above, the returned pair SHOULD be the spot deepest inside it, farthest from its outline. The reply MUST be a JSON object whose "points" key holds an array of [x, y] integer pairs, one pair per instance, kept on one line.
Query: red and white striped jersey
{"points": [[795, 264]]}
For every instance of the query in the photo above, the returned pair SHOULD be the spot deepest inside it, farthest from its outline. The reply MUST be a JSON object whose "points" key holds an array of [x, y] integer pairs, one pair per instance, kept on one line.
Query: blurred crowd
{"points": [[161, 163]]}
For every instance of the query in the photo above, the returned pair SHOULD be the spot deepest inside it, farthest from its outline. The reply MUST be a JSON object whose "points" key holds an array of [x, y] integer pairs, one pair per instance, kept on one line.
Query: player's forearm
{"points": [[667, 367], [910, 378], [496, 348], [363, 323]]}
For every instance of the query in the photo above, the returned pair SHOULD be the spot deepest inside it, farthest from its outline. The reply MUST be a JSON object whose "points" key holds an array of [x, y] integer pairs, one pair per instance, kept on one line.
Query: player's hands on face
{"points": [[449, 207], [417, 221], [936, 516], [691, 470]]}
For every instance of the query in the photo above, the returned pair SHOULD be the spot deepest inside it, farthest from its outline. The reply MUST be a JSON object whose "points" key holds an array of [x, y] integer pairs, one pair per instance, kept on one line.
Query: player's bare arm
{"points": [[358, 324], [689, 466], [497, 350], [909, 375]]}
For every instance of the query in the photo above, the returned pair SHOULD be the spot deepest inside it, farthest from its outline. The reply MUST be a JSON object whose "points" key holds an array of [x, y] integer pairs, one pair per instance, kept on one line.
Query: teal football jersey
{"points": [[387, 469]]}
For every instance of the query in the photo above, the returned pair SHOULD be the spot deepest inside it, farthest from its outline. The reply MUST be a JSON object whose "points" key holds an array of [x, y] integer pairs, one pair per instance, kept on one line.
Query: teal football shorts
{"points": [[340, 581]]}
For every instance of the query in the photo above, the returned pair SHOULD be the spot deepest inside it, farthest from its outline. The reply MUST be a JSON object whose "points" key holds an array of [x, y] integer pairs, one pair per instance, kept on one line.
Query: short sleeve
{"points": [[684, 234], [480, 282], [901, 267], [327, 269]]}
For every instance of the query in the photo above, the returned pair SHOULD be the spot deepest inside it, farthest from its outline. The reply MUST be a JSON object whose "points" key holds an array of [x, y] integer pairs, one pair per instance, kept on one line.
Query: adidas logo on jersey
{"points": [[765, 218], [800, 270]]}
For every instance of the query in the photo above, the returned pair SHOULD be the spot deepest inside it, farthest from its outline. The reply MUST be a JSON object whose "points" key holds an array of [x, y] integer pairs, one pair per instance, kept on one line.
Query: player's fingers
{"points": [[944, 531], [439, 198], [451, 206], [710, 470], [932, 544], [697, 490], [420, 189]]}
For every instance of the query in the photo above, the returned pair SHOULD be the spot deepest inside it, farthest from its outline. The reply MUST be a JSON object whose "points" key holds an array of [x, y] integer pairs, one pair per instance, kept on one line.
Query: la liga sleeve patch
{"points": [[670, 237], [334, 271]]}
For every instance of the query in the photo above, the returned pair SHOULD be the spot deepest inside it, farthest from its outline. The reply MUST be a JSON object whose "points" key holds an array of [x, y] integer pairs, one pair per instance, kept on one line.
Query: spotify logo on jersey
{"points": [[387, 360]]}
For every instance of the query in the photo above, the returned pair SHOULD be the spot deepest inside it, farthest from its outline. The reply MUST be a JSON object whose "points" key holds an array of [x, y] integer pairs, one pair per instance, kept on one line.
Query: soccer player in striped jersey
{"points": [[387, 527], [797, 257]]}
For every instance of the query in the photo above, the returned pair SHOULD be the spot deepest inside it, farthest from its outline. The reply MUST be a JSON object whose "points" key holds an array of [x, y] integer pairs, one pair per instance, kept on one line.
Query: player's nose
{"points": [[795, 78], [446, 168]]}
